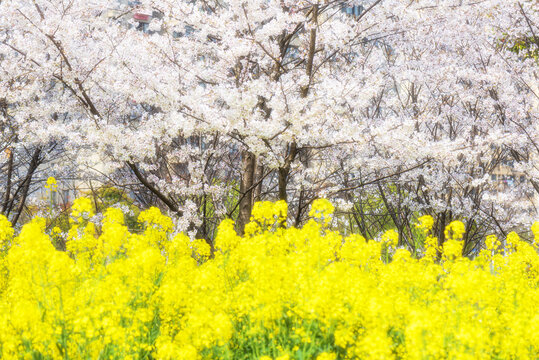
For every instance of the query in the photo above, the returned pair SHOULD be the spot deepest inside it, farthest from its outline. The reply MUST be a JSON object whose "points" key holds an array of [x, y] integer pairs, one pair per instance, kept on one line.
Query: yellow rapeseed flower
{"points": [[51, 184], [279, 293]]}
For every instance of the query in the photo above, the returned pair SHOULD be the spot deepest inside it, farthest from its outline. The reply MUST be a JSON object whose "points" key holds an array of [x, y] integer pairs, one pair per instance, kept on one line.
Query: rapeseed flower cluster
{"points": [[51, 184], [277, 293]]}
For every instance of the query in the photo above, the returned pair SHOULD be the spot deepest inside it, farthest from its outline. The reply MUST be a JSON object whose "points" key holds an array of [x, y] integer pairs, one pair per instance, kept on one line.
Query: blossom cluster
{"points": [[277, 293]]}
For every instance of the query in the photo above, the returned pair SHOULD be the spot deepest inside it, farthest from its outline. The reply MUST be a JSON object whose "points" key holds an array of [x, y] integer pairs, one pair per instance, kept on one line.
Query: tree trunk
{"points": [[284, 171], [248, 166], [8, 183], [34, 163], [259, 173]]}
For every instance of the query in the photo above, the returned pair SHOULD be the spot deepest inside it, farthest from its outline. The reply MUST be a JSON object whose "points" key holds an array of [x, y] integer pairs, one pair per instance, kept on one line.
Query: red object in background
{"points": [[141, 17]]}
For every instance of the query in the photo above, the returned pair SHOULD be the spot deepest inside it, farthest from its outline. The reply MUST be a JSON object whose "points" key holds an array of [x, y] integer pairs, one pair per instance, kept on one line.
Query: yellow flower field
{"points": [[276, 293]]}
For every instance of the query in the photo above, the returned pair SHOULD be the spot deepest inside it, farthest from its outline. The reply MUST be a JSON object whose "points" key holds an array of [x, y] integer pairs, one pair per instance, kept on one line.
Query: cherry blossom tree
{"points": [[391, 108]]}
